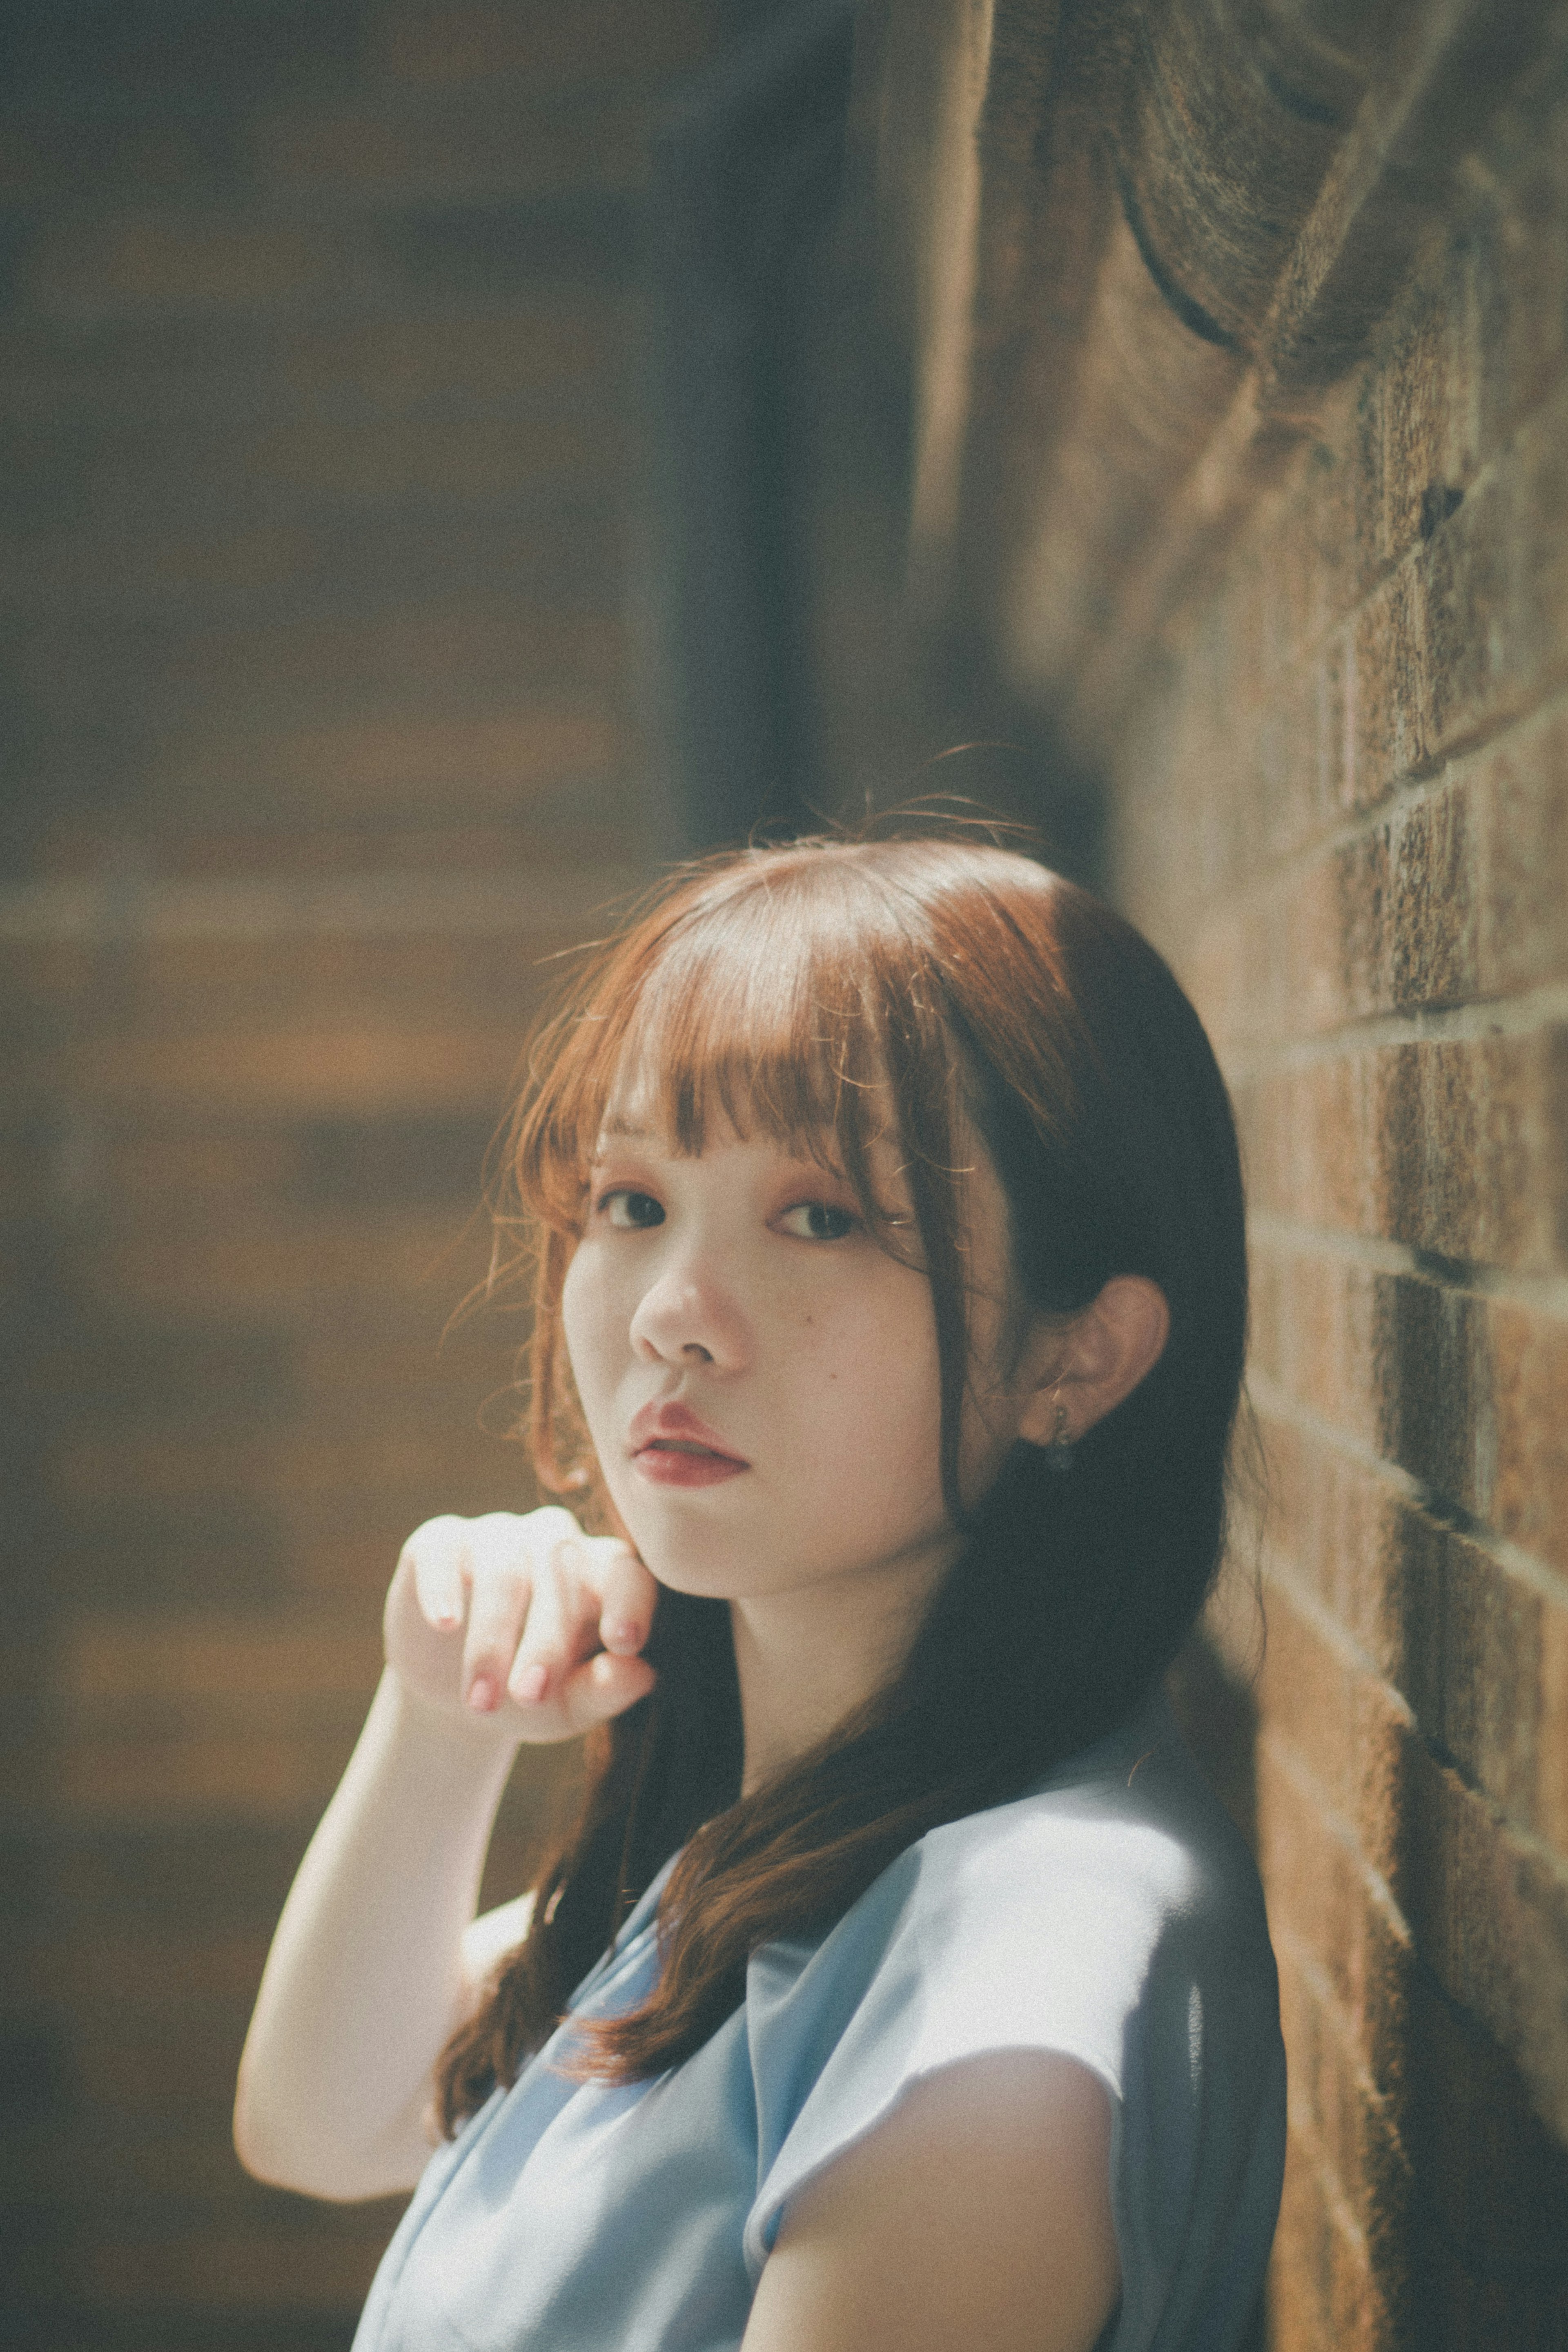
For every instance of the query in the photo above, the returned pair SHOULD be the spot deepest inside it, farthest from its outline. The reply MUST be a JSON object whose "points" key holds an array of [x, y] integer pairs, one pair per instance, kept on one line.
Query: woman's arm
{"points": [[493, 1635], [979, 2212], [365, 1979]]}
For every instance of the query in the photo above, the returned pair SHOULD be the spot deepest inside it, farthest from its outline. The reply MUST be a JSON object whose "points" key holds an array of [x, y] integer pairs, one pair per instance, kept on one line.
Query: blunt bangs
{"points": [[766, 999]]}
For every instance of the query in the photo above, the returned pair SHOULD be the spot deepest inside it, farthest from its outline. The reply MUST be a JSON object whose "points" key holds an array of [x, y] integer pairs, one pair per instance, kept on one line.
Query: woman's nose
{"points": [[687, 1317]]}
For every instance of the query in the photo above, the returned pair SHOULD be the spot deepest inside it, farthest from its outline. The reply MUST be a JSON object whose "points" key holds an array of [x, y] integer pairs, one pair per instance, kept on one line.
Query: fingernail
{"points": [[530, 1683], [482, 1694]]}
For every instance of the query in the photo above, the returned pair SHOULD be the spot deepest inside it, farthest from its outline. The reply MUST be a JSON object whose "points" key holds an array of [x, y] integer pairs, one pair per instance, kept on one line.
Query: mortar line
{"points": [[1544, 1293], [1549, 412], [1302, 2128], [1305, 1958], [1297, 1769], [1538, 1576], [1331, 1631], [1416, 789], [1338, 1638], [1522, 1013]]}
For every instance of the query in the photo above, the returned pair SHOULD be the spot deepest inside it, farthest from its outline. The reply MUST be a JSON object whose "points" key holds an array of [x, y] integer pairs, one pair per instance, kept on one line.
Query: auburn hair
{"points": [[796, 990]]}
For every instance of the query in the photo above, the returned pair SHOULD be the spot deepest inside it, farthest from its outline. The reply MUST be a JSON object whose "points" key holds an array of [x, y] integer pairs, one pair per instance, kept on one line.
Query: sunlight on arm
{"points": [[979, 2212]]}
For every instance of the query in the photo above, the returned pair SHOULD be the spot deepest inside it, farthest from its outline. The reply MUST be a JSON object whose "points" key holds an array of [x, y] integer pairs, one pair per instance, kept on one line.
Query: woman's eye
{"points": [[633, 1212], [818, 1221]]}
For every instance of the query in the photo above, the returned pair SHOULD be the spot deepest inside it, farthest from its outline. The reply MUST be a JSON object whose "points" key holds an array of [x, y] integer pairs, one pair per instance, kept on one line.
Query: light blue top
{"points": [[1113, 1913]]}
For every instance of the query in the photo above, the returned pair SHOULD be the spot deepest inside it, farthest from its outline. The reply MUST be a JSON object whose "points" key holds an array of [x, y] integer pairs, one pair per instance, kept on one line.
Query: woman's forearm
{"points": [[365, 1979]]}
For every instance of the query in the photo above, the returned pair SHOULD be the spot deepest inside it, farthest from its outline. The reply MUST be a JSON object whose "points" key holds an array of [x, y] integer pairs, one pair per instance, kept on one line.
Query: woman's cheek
{"points": [[587, 1317]]}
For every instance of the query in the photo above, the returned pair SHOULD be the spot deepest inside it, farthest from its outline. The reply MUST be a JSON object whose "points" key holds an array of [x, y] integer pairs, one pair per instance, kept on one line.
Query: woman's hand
{"points": [[521, 1622]]}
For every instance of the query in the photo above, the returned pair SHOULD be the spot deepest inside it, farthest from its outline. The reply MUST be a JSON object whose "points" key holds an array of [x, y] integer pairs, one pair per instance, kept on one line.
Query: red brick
{"points": [[1521, 787], [225, 1769], [1345, 2117], [291, 1268], [1353, 1726], [1487, 1908], [1527, 1497], [1508, 269], [386, 768], [224, 1172], [283, 953], [174, 1468], [1477, 1651], [106, 1660], [294, 1072], [442, 43], [1315, 1325], [1320, 2288], [179, 261], [1465, 634], [41, 157], [245, 842], [1462, 893], [1489, 1911], [392, 655], [575, 337], [132, 1974], [1323, 1894], [1456, 1388], [483, 148], [391, 461], [1494, 2180], [1457, 1149]]}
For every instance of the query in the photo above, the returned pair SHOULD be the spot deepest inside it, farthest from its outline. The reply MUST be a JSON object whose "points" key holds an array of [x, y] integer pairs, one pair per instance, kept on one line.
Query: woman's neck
{"points": [[807, 1658]]}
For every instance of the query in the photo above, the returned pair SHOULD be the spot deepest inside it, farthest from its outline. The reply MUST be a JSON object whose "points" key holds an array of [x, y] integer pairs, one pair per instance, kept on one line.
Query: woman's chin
{"points": [[702, 1572]]}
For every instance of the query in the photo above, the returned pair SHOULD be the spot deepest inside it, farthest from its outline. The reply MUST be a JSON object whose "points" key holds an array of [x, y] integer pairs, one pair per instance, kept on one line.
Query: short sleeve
{"points": [[1071, 1924], [1006, 1933]]}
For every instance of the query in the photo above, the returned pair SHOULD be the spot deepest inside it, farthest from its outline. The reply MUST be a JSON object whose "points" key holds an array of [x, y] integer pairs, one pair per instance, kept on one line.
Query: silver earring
{"points": [[1058, 1452]]}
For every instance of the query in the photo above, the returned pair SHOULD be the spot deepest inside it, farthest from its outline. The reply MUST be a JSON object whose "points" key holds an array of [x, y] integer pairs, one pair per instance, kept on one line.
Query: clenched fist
{"points": [[521, 1622]]}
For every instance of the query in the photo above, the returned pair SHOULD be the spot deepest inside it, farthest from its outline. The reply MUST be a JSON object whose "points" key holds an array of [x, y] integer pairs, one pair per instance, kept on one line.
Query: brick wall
{"points": [[319, 371], [1340, 808], [1253, 455]]}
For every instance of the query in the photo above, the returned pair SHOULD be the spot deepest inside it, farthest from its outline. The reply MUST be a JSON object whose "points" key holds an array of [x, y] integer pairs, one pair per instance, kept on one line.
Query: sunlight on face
{"points": [[761, 1376]]}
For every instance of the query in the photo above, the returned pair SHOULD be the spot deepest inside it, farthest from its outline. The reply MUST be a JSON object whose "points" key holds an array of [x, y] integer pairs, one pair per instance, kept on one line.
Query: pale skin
{"points": [[741, 1286]]}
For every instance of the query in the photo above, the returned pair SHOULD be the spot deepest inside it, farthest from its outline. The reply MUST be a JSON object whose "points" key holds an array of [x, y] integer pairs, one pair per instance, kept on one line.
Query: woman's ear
{"points": [[1074, 1379]]}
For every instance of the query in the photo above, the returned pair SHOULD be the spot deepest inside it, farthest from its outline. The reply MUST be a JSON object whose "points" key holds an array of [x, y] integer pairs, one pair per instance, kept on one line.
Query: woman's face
{"points": [[760, 1378]]}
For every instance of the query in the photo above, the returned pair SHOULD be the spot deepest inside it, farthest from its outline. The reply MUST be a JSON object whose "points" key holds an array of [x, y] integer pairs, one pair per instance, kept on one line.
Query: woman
{"points": [[902, 1984]]}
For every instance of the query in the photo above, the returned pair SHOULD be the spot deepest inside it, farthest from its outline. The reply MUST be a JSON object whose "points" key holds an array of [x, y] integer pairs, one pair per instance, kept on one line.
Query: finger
{"points": [[501, 1594], [604, 1686], [434, 1553], [628, 1595], [560, 1631]]}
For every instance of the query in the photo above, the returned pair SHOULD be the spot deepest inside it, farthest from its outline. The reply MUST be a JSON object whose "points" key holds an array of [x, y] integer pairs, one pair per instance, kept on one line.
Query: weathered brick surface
{"points": [[1454, 1148], [1340, 808], [1455, 896]]}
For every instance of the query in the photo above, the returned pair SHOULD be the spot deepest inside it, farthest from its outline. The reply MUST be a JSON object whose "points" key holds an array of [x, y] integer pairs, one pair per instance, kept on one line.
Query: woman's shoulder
{"points": [[1110, 1891], [1125, 1841], [1110, 1915]]}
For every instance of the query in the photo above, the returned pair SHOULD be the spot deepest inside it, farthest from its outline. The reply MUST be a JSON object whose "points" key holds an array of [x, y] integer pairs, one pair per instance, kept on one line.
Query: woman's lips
{"points": [[672, 1448], [669, 1462]]}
